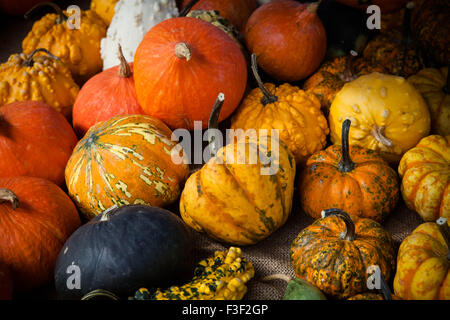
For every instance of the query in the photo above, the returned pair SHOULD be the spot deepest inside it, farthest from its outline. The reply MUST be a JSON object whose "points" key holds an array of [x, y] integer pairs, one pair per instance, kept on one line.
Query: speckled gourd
{"points": [[131, 21], [222, 276], [388, 115], [38, 78], [78, 48]]}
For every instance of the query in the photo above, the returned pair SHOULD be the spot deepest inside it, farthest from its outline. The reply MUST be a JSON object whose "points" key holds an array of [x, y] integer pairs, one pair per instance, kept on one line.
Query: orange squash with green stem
{"points": [[353, 178]]}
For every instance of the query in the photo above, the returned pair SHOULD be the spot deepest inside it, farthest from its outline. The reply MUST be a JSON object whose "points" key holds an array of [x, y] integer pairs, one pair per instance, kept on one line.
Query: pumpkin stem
{"points": [[8, 195], [378, 134], [445, 231], [182, 51], [346, 164], [187, 8], [349, 232], [124, 67], [349, 72], [29, 62], [213, 123], [268, 97], [313, 7], [61, 16], [100, 293], [385, 291], [277, 276]]}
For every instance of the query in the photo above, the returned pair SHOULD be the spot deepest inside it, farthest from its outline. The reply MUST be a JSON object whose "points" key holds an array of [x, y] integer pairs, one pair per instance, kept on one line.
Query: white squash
{"points": [[132, 19]]}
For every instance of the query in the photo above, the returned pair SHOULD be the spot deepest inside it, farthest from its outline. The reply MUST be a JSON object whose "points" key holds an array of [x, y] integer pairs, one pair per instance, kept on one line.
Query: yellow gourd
{"points": [[77, 46], [423, 265], [425, 172], [434, 85], [104, 8], [38, 78], [222, 276], [295, 113], [233, 198], [388, 115]]}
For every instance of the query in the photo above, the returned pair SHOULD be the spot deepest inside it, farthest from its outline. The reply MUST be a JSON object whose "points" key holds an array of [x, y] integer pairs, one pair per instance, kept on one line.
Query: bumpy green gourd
{"points": [[219, 277]]}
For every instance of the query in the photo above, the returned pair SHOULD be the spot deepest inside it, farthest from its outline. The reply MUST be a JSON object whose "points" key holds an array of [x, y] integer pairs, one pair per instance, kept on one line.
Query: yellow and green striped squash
{"points": [[125, 160]]}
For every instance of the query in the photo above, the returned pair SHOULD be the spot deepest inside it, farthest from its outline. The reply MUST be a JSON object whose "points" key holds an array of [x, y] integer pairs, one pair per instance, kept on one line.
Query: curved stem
{"points": [[8, 195], [182, 51], [213, 123], [313, 7], [445, 231], [100, 293], [349, 232], [346, 164], [349, 72], [124, 67], [29, 62], [187, 8], [378, 134], [61, 16], [268, 97], [277, 276]]}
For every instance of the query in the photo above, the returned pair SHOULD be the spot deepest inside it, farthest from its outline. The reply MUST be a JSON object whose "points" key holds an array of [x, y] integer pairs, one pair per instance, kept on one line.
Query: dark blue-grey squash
{"points": [[122, 250]]}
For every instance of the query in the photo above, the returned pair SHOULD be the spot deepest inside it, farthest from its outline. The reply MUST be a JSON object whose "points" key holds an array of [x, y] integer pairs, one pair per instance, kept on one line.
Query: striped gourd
{"points": [[125, 160]]}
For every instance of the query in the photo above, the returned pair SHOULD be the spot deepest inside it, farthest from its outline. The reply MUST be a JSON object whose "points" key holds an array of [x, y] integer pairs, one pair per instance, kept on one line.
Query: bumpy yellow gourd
{"points": [[423, 265], [434, 86], [425, 172], [220, 277], [38, 78], [387, 114], [295, 113], [78, 48], [104, 8], [232, 202]]}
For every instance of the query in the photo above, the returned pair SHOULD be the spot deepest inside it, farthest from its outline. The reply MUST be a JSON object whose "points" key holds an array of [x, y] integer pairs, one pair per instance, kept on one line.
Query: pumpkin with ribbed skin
{"points": [[36, 218], [388, 50], [78, 48], [35, 140], [181, 66], [38, 78], [385, 5], [423, 263], [293, 112], [107, 94], [431, 28], [235, 11], [425, 172], [353, 178], [335, 252], [125, 160], [104, 9], [288, 37], [388, 114], [326, 82], [434, 86]]}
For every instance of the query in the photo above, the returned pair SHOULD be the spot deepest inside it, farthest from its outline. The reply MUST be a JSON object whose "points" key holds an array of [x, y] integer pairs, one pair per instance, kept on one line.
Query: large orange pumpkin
{"points": [[288, 37], [235, 11], [125, 160], [180, 67], [35, 140], [106, 95], [36, 218]]}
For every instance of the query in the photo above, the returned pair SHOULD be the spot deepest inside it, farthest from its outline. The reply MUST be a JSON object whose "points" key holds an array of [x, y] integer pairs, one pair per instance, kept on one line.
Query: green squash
{"points": [[297, 289]]}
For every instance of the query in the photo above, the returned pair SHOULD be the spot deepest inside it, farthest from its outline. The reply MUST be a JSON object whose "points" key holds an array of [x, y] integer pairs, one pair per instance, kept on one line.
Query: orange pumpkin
{"points": [[106, 95], [235, 11], [181, 66], [36, 218], [354, 178], [35, 140], [125, 160], [288, 37]]}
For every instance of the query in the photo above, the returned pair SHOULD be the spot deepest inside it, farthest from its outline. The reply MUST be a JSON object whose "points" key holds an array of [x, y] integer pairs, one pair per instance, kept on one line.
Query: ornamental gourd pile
{"points": [[343, 124]]}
